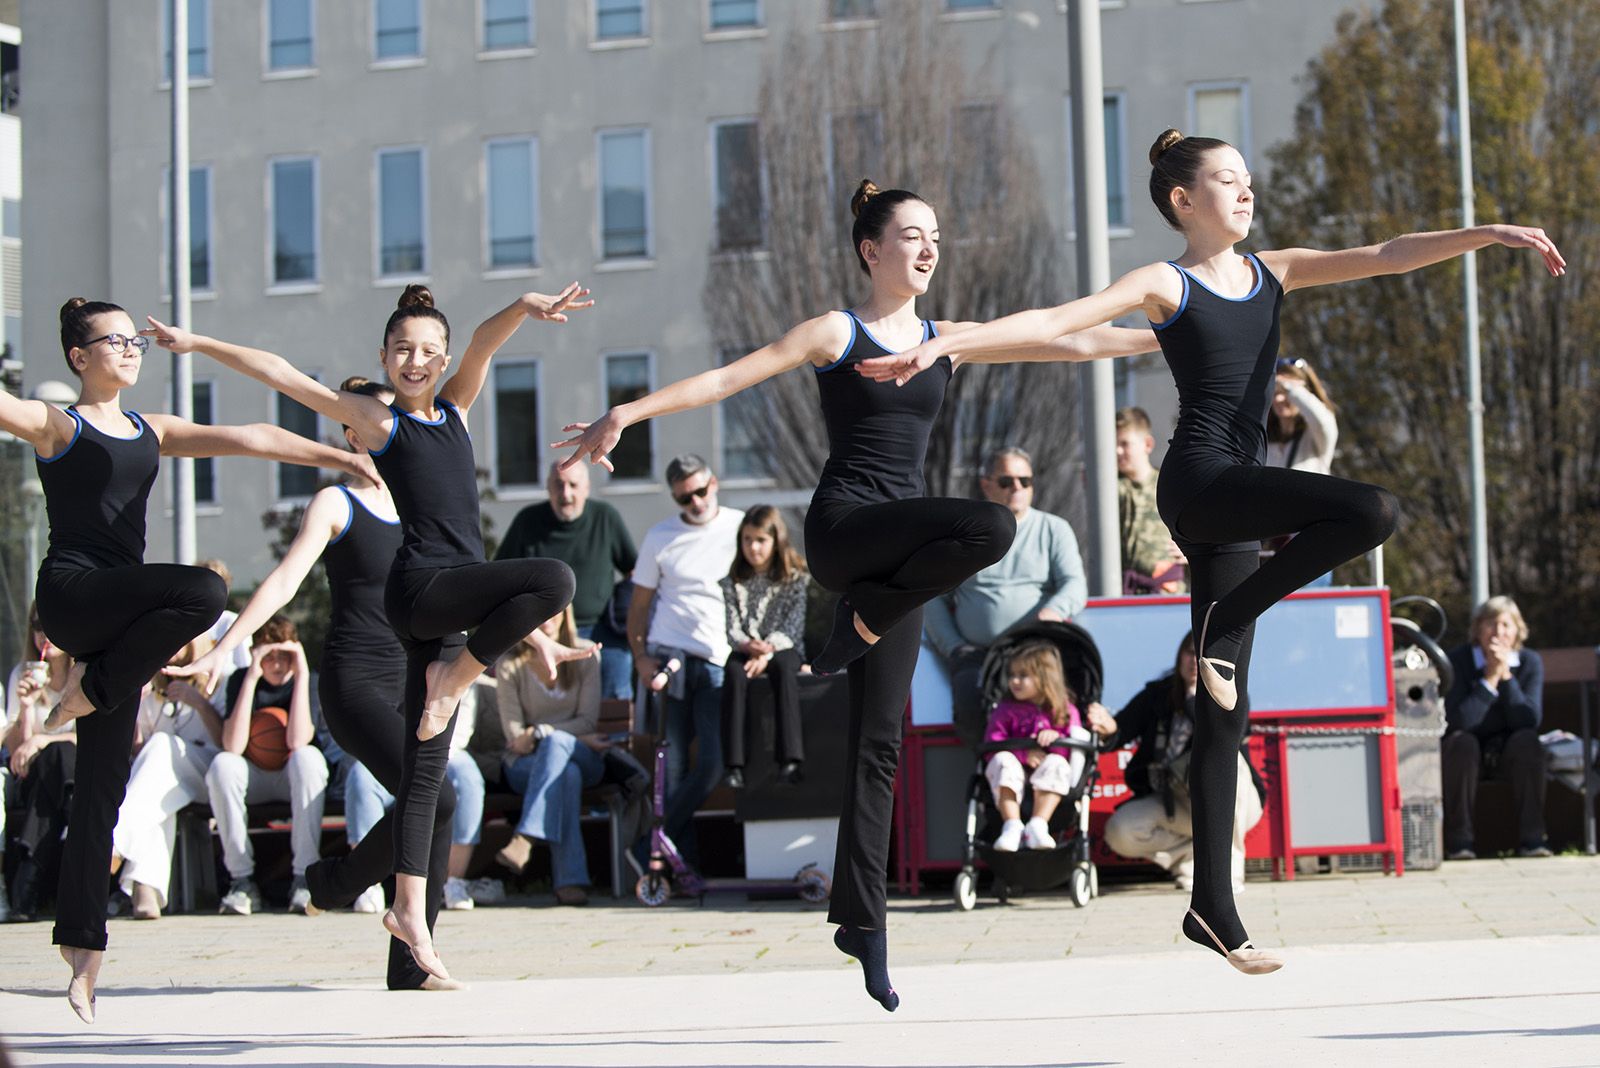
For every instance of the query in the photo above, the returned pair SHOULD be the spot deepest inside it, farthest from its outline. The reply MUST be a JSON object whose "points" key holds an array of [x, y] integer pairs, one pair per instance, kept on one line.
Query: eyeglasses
{"points": [[683, 499], [120, 342], [1285, 364], [1005, 482]]}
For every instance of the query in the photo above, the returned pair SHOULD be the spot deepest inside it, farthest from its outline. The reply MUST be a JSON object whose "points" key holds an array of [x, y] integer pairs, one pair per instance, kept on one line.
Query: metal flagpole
{"points": [[183, 533]]}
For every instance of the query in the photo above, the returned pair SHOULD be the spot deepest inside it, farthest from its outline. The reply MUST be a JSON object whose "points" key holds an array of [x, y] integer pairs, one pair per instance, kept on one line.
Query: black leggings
{"points": [[889, 559], [783, 672], [505, 600], [1333, 520], [124, 624], [361, 701]]}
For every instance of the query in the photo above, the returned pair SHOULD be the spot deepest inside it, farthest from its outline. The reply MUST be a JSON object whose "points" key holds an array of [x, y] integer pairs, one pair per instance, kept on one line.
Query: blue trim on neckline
{"points": [[394, 428], [77, 432], [368, 510], [1183, 275], [350, 517], [848, 346], [1249, 258], [881, 345]]}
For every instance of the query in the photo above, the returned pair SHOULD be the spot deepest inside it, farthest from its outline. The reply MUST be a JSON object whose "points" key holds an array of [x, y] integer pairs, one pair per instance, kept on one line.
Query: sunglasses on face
{"points": [[683, 499], [1005, 482], [120, 342]]}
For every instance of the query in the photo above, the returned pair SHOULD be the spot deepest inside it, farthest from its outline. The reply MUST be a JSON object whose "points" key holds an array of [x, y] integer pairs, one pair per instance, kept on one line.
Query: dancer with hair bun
{"points": [[120, 618], [872, 535], [438, 583], [1216, 315]]}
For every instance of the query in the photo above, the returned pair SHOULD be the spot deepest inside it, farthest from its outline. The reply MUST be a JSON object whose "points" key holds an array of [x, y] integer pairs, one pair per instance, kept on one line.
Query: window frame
{"points": [[648, 255], [1126, 229], [280, 470], [831, 161], [649, 425], [629, 41], [210, 381], [490, 269], [380, 277], [270, 72], [411, 60], [1193, 89], [713, 159], [164, 43], [752, 29], [164, 217], [485, 52], [314, 283], [517, 489]]}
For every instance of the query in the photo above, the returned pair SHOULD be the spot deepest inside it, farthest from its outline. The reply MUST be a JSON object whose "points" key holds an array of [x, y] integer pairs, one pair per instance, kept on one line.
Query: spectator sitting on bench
{"points": [[179, 733], [1492, 715], [1155, 824], [272, 768], [365, 802], [552, 754], [765, 596]]}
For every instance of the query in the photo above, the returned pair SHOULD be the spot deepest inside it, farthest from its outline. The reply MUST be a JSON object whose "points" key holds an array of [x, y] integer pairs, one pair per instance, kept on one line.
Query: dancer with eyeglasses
{"points": [[438, 583], [1216, 315], [120, 618], [872, 534]]}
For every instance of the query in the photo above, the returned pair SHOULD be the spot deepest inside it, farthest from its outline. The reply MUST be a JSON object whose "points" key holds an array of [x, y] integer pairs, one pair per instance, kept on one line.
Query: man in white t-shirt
{"points": [[677, 611]]}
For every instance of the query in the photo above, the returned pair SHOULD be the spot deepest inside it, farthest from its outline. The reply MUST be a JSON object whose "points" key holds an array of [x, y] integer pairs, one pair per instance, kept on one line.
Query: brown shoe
{"points": [[146, 905], [516, 853], [571, 895]]}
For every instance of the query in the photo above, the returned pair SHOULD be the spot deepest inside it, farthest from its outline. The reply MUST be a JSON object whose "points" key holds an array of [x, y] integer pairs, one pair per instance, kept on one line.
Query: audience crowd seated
{"points": [[765, 597], [1041, 711], [1155, 824], [1151, 560], [1492, 715], [1040, 577]]}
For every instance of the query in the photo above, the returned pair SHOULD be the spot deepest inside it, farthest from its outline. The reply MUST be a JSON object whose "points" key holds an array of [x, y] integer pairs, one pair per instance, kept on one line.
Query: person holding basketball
{"points": [[268, 755]]}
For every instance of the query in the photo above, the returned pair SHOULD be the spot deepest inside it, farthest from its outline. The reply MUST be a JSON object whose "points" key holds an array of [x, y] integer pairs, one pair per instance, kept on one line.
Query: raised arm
{"points": [[179, 437], [1298, 268], [370, 417], [818, 340], [463, 387]]}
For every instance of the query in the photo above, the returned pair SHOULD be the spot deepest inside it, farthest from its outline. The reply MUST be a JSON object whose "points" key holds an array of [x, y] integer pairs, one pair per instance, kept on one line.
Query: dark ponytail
{"points": [[416, 303], [873, 208], [1174, 163], [75, 324]]}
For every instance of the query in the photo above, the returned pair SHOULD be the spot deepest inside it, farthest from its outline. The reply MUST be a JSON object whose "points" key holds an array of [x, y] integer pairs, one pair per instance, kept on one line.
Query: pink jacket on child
{"points": [[1017, 719]]}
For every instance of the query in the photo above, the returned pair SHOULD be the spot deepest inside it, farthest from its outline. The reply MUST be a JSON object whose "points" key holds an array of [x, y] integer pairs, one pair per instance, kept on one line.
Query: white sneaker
{"points": [[487, 891], [1036, 835], [1010, 837], [456, 894], [370, 901]]}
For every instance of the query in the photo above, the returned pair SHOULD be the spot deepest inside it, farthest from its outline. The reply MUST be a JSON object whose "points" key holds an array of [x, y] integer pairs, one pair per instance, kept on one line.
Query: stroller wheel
{"points": [[1094, 880], [1081, 886], [653, 889], [814, 884], [965, 890]]}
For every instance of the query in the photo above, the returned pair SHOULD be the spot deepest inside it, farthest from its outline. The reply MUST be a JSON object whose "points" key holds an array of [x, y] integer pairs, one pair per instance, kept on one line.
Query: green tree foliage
{"points": [[1373, 155]]}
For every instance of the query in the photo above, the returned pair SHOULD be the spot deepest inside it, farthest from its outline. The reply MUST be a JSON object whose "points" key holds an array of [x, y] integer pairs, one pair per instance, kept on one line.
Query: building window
{"points": [[199, 229], [295, 481], [618, 19], [290, 30], [199, 40], [507, 24], [971, 5], [396, 29], [846, 10], [624, 194], [628, 379], [736, 165], [511, 205], [745, 454], [402, 213], [735, 14], [855, 148], [976, 129], [294, 221], [1116, 162], [205, 468], [12, 213], [516, 423], [1221, 110]]}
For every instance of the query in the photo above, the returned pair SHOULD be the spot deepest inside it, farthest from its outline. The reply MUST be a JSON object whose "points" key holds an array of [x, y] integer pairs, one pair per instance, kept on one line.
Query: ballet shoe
{"points": [[433, 982], [437, 711], [1222, 690], [80, 989], [1246, 958], [421, 949]]}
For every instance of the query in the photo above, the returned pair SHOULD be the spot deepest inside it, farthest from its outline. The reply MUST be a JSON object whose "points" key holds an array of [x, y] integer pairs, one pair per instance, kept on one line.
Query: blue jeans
{"points": [[694, 718], [551, 780], [365, 800], [616, 663]]}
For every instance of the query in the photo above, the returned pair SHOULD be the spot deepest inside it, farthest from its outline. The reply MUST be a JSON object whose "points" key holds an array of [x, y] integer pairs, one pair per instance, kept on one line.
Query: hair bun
{"points": [[864, 192], [1168, 138], [415, 296], [71, 306]]}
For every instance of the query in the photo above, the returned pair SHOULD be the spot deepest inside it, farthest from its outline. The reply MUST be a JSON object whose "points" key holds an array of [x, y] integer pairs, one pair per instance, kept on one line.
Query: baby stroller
{"points": [[1035, 869]]}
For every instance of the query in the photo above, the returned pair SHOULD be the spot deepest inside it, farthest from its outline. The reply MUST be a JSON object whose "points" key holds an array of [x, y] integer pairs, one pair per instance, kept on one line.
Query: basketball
{"points": [[268, 747]]}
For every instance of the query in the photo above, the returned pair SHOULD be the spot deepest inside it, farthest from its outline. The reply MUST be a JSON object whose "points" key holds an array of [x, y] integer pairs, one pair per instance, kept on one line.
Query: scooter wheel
{"points": [[653, 889], [965, 891], [815, 886]]}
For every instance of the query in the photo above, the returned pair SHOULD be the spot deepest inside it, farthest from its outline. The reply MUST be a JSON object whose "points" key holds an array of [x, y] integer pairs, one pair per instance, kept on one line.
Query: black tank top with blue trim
{"points": [[1223, 353], [431, 473], [877, 431], [358, 563], [95, 494]]}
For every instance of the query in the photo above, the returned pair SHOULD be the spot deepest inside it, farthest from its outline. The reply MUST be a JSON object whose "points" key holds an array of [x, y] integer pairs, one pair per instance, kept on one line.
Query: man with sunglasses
{"points": [[677, 611], [1041, 577]]}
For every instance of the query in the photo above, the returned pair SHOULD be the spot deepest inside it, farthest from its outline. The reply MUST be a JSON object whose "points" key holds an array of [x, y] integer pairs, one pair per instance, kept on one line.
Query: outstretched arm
{"points": [[463, 387], [44, 426], [179, 437], [1095, 343], [1297, 268], [822, 338]]}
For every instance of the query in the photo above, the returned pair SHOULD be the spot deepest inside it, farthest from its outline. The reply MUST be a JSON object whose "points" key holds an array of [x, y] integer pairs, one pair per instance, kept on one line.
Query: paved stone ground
{"points": [[1491, 957]]}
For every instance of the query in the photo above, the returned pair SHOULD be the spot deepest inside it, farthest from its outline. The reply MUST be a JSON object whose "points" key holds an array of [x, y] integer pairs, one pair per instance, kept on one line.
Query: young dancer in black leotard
{"points": [[438, 584], [355, 531], [120, 618], [1216, 314], [871, 534]]}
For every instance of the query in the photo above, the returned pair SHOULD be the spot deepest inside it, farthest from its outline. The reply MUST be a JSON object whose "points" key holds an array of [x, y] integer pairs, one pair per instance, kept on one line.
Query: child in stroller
{"points": [[1039, 711]]}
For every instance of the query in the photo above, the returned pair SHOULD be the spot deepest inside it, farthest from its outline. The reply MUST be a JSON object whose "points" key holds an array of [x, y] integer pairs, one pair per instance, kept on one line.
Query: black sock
{"points": [[844, 644], [871, 948]]}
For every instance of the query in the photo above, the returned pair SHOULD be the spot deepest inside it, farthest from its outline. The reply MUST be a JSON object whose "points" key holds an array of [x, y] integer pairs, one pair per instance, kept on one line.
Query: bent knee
{"points": [[228, 769], [1380, 514], [996, 530]]}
